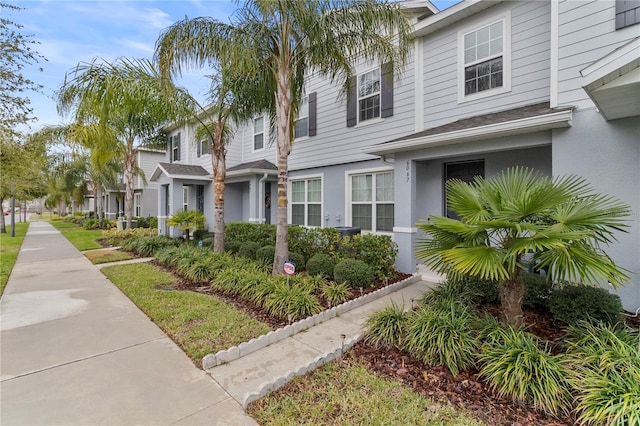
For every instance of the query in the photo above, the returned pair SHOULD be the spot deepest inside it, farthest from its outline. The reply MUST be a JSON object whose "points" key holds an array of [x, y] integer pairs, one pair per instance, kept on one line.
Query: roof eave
{"points": [[557, 120], [451, 15], [251, 171]]}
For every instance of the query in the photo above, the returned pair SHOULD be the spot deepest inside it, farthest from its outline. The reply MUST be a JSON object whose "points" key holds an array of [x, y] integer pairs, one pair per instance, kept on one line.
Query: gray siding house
{"points": [[552, 85]]}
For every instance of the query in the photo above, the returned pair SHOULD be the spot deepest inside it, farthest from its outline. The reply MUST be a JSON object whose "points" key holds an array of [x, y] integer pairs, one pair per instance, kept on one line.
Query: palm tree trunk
{"points": [[511, 295], [283, 131], [219, 175], [129, 170], [3, 225]]}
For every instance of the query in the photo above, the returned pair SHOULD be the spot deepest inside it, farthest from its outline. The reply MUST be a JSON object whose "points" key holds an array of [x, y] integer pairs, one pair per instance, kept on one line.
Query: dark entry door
{"points": [[267, 202], [464, 171]]}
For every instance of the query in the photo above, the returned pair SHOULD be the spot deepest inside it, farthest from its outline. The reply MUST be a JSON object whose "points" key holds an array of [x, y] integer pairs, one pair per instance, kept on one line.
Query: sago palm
{"points": [[274, 44], [561, 223]]}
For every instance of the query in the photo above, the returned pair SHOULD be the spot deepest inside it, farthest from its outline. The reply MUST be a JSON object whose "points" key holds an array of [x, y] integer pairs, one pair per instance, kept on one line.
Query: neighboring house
{"points": [[552, 85], [145, 196]]}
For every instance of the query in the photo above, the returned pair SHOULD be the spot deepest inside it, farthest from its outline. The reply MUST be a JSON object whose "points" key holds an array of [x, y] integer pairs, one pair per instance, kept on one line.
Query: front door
{"points": [[465, 171]]}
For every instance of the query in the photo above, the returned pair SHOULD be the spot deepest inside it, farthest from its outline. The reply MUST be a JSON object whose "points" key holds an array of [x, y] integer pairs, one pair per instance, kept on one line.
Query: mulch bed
{"points": [[465, 391]]}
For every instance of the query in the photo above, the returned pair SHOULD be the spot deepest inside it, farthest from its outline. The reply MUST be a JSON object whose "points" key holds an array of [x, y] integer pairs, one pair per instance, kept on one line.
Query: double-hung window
{"points": [[372, 202], [203, 148], [185, 197], [306, 202], [174, 142], [485, 60], [301, 128], [258, 133], [137, 204], [369, 95]]}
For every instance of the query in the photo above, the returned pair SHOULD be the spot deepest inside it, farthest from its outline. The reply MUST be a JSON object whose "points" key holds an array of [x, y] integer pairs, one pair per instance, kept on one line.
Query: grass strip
{"points": [[9, 248], [82, 238], [344, 392], [199, 323], [107, 256]]}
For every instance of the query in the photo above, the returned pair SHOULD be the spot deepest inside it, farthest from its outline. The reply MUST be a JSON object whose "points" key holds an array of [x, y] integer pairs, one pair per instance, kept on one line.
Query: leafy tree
{"points": [[21, 165], [16, 52], [131, 98], [274, 43], [561, 223]]}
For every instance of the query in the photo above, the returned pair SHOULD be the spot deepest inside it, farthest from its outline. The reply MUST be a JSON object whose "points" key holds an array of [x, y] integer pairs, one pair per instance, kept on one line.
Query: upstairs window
{"points": [[484, 64], [174, 147], [306, 202], [627, 13], [301, 128], [370, 95], [258, 134], [203, 148]]}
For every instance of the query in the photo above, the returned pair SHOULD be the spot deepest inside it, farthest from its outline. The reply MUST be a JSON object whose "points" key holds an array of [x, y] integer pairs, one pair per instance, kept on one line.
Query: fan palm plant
{"points": [[187, 220], [562, 223]]}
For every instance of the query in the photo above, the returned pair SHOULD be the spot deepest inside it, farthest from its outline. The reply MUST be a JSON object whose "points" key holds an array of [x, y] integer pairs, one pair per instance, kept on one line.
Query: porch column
{"points": [[404, 230], [254, 200]]}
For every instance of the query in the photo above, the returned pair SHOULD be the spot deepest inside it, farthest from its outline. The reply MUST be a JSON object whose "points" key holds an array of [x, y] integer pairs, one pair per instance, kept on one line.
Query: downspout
{"points": [[261, 209]]}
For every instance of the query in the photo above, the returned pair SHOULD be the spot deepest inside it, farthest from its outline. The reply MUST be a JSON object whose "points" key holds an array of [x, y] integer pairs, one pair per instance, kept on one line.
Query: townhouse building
{"points": [[551, 85]]}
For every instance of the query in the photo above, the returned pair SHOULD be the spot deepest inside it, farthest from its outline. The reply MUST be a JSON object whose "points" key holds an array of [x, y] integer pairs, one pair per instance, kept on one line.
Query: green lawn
{"points": [[9, 248], [107, 256], [344, 392], [82, 238], [199, 323]]}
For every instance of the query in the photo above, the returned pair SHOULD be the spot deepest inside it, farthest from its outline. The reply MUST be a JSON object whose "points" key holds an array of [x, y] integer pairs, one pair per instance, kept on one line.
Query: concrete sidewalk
{"points": [[76, 351]]}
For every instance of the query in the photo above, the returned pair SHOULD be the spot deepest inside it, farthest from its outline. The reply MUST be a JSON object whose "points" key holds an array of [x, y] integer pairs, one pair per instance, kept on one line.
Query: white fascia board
{"points": [[191, 177], [245, 172], [508, 128], [156, 173], [453, 14], [612, 63]]}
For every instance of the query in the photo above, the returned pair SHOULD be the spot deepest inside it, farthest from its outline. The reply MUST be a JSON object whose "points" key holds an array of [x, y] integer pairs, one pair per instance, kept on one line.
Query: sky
{"points": [[73, 31]]}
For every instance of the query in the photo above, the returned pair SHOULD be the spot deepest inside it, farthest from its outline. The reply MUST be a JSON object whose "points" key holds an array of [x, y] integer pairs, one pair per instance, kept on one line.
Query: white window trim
{"points": [[374, 119], [347, 192], [265, 133], [290, 203], [137, 204], [185, 191], [506, 58]]}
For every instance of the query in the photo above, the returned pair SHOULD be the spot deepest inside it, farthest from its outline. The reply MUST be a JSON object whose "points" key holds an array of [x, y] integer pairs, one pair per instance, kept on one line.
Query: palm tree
{"points": [[128, 96], [275, 42], [561, 223], [187, 220]]}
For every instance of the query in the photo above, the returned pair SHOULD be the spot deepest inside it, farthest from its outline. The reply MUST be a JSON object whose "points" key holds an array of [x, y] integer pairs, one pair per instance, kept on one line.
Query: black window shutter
{"points": [[179, 148], [386, 91], [352, 103], [313, 98], [170, 148]]}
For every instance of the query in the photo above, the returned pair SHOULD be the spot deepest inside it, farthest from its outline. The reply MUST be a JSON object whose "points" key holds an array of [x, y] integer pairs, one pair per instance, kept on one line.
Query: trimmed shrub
{"points": [[117, 237], [148, 246], [201, 234], [355, 273], [207, 242], [261, 233], [443, 336], [573, 303], [321, 264], [297, 259], [266, 254], [517, 367], [387, 327], [232, 246], [537, 291], [248, 249], [378, 251]]}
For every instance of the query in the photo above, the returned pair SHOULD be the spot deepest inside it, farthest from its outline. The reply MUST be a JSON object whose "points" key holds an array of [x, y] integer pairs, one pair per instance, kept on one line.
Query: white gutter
{"points": [[243, 172], [525, 125]]}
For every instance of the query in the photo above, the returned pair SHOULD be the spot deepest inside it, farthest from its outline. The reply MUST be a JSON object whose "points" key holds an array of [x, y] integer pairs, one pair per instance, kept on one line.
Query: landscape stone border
{"points": [[245, 348]]}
